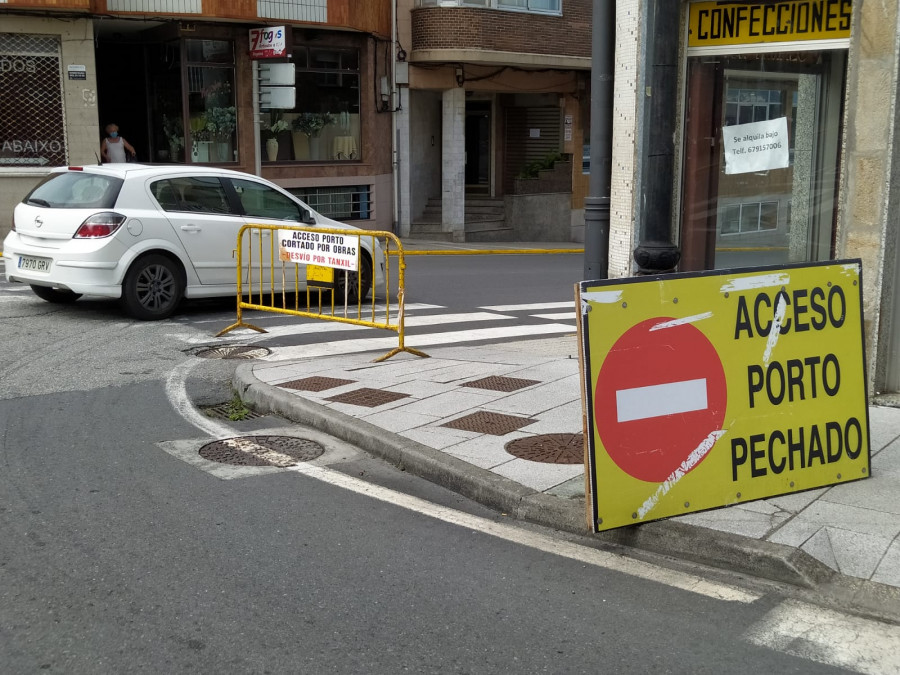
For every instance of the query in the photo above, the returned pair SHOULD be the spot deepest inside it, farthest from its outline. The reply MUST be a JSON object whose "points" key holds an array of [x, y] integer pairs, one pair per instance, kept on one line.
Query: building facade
{"points": [[177, 77], [490, 93], [785, 147]]}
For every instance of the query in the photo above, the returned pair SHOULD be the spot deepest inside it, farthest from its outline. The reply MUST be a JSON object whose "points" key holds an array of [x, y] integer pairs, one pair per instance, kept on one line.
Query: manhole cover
{"points": [[549, 448], [483, 422], [280, 451], [498, 383], [317, 383], [233, 352], [368, 398]]}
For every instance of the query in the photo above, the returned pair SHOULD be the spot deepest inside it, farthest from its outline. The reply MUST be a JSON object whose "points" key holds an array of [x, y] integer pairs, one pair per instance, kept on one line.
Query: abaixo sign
{"points": [[717, 388]]}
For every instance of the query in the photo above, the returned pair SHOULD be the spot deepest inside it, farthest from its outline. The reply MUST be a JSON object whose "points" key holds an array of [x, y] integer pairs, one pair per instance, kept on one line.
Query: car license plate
{"points": [[27, 262]]}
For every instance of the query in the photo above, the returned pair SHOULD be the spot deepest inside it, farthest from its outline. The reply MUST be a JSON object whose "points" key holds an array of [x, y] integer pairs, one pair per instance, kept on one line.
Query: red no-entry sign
{"points": [[660, 393]]}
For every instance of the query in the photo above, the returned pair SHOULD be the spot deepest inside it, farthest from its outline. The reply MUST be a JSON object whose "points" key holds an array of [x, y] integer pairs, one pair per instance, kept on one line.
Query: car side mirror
{"points": [[306, 217]]}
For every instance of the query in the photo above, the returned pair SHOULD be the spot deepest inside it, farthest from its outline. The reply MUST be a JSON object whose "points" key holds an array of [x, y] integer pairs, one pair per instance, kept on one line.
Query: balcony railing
{"points": [[532, 6]]}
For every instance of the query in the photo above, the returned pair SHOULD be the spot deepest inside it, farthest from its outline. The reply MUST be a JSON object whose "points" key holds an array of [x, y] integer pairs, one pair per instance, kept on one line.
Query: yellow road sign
{"points": [[717, 388]]}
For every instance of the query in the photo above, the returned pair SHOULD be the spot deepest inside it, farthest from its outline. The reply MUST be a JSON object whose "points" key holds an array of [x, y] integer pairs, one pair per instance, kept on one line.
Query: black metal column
{"points": [[656, 254], [596, 204]]}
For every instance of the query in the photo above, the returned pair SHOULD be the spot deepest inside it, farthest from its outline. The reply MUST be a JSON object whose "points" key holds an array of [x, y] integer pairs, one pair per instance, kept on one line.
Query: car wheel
{"points": [[57, 296], [355, 290], [153, 287]]}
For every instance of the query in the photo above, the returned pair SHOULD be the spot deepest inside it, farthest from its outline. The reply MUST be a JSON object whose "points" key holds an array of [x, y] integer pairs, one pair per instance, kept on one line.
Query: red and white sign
{"points": [[268, 42], [660, 394]]}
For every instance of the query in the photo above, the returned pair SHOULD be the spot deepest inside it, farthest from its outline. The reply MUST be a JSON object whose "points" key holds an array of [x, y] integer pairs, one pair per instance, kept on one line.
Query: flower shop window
{"points": [[212, 116], [325, 124]]}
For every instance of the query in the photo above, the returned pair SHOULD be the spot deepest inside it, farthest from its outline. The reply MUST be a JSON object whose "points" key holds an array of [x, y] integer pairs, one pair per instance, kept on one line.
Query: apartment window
{"points": [[351, 202], [325, 124], [32, 120], [536, 6]]}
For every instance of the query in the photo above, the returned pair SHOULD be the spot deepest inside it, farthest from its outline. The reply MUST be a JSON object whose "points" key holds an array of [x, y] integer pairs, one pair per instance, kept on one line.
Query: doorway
{"points": [[770, 199], [478, 147]]}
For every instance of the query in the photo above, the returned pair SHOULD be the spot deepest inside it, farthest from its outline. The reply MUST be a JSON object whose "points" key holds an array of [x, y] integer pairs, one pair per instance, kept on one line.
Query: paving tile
{"points": [[857, 554], [460, 372], [538, 399], [480, 453], [796, 502], [538, 476], [439, 439], [887, 462], [449, 403], [818, 545], [852, 518], [398, 420], [562, 419], [888, 570], [571, 489], [795, 532], [884, 426], [878, 493], [736, 520], [549, 372]]}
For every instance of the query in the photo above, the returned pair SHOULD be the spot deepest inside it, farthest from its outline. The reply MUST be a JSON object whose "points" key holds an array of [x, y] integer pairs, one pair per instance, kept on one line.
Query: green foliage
{"points": [[312, 123], [533, 169], [220, 122], [235, 410]]}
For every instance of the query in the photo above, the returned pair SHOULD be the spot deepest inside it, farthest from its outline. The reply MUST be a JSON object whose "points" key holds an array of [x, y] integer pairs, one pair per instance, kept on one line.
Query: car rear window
{"points": [[76, 190]]}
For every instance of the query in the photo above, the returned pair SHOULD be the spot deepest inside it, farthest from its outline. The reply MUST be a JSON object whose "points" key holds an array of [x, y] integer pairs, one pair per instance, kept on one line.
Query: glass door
{"points": [[760, 159]]}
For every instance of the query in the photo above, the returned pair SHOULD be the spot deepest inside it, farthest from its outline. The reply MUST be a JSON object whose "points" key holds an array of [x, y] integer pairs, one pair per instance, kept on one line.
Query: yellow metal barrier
{"points": [[277, 276]]}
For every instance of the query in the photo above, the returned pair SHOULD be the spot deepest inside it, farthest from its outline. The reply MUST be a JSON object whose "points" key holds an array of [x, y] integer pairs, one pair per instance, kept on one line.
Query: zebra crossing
{"points": [[426, 325]]}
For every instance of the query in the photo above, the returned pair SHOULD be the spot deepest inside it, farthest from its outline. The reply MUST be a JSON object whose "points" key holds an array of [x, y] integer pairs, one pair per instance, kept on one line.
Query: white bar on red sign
{"points": [[658, 400]]}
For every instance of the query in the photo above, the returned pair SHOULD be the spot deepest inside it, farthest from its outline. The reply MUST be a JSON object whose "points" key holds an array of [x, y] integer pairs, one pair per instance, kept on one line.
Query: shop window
{"points": [[761, 157], [32, 119], [210, 92], [341, 203], [325, 124]]}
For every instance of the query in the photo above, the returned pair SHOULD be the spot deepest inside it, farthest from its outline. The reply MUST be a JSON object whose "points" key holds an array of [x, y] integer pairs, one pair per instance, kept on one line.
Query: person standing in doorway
{"points": [[114, 147]]}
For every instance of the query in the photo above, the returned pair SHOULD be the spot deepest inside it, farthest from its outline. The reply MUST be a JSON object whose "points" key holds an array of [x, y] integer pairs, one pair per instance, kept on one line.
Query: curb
{"points": [[776, 562]]}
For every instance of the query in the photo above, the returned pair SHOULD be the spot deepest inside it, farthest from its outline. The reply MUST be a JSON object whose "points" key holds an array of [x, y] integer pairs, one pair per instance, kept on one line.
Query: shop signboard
{"points": [[716, 24], [710, 389]]}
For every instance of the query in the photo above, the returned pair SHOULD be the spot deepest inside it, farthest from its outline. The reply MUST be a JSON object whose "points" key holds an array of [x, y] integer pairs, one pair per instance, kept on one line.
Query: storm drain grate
{"points": [[233, 352], [483, 422], [498, 383], [315, 383], [549, 448], [278, 451], [368, 398], [224, 411]]}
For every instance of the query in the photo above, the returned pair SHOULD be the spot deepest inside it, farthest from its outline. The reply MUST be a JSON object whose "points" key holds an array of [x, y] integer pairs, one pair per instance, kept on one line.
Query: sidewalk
{"points": [[400, 410]]}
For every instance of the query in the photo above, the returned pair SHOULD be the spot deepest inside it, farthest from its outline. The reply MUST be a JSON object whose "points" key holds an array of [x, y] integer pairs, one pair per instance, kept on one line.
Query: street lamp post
{"points": [[596, 204]]}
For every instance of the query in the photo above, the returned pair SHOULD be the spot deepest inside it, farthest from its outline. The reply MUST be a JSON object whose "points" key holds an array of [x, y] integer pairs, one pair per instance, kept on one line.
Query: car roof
{"points": [[127, 169]]}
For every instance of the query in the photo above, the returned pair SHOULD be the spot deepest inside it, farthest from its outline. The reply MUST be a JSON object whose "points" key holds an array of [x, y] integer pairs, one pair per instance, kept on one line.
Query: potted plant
{"points": [[311, 125], [270, 132], [220, 124], [174, 131]]}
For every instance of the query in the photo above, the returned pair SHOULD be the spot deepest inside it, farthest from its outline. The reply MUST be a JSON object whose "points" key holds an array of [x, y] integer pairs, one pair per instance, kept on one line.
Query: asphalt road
{"points": [[120, 554]]}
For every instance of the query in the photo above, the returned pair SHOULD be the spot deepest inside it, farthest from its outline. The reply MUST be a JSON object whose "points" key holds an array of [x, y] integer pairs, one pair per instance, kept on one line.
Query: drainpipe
{"points": [[656, 254], [596, 204], [257, 153], [395, 99]]}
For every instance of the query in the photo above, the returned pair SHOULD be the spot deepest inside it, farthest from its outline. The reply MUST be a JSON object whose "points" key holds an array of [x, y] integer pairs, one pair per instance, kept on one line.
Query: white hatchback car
{"points": [[152, 235]]}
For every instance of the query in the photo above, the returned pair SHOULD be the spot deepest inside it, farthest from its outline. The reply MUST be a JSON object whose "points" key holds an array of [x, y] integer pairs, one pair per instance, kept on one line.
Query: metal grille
{"points": [[498, 383], [367, 398], [352, 202], [32, 117], [296, 10], [484, 422]]}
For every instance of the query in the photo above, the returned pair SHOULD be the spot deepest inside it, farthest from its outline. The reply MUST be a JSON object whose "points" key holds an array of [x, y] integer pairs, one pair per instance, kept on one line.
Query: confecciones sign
{"points": [[719, 23]]}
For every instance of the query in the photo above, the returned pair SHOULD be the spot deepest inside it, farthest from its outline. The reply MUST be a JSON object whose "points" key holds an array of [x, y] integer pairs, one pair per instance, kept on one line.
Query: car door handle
{"points": [[191, 228]]}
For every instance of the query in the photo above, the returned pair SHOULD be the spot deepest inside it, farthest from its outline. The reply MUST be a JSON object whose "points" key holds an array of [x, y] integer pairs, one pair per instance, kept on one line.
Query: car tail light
{"points": [[100, 225]]}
